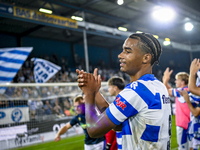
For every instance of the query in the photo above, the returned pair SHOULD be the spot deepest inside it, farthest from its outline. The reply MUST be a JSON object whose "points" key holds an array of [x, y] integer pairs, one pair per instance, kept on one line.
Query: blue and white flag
{"points": [[11, 60], [44, 70]]}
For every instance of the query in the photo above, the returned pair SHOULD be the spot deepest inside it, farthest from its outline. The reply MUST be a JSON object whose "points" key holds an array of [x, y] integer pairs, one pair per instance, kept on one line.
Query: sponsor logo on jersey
{"points": [[121, 104], [166, 100]]}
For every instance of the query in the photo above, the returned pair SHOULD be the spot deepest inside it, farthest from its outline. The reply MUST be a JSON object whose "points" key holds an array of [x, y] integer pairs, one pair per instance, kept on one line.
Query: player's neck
{"points": [[147, 70]]}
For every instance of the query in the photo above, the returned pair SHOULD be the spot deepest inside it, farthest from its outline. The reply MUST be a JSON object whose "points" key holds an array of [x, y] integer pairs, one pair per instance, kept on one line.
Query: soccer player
{"points": [[142, 109], [194, 71], [90, 143], [114, 138], [182, 114], [194, 83]]}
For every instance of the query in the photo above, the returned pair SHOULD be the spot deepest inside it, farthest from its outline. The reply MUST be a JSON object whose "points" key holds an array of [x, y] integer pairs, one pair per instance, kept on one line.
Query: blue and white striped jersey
{"points": [[194, 125], [143, 108], [119, 140]]}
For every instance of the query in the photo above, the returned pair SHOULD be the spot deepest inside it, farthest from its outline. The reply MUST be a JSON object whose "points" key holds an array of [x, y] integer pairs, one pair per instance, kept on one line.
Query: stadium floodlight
{"points": [[122, 29], [47, 11], [189, 26], [77, 18], [163, 14], [166, 42], [139, 32], [156, 36], [120, 2]]}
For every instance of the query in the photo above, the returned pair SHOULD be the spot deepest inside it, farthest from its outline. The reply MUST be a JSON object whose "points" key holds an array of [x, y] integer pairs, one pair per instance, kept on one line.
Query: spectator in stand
{"points": [[39, 107], [67, 107], [47, 108], [32, 108], [57, 108]]}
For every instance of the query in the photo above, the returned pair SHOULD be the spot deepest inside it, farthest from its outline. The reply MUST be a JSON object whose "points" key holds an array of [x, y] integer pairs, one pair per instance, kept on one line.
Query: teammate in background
{"points": [[90, 143], [114, 139], [194, 82], [194, 71], [142, 109], [182, 114]]}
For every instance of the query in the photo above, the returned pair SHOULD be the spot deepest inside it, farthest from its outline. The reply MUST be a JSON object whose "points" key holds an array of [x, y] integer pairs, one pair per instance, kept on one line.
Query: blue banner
{"points": [[11, 60]]}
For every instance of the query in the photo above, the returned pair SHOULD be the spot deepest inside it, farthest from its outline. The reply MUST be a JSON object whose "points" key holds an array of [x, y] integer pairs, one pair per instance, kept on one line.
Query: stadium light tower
{"points": [[189, 26], [164, 14]]}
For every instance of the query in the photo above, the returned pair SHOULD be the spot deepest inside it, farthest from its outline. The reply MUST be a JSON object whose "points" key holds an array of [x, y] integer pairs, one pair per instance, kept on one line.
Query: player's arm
{"points": [[166, 78], [194, 68], [62, 131], [97, 126], [101, 102], [195, 111]]}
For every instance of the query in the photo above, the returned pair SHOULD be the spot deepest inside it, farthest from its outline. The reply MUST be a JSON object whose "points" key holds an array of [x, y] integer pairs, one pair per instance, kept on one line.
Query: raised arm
{"points": [[100, 101], [97, 126], [195, 111], [194, 68], [62, 131], [166, 78]]}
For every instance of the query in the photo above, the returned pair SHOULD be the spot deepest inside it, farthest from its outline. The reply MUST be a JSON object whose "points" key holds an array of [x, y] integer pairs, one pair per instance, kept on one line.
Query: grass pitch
{"points": [[77, 142]]}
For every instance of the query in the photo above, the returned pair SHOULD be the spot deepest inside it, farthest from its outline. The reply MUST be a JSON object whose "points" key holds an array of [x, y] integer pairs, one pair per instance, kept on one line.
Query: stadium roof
{"points": [[102, 19]]}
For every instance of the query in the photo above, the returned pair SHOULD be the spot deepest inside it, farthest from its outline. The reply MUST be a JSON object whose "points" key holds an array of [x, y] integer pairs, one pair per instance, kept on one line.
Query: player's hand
{"points": [[184, 93], [91, 86], [57, 138], [108, 145], [86, 78], [195, 66], [167, 74], [80, 78], [96, 75]]}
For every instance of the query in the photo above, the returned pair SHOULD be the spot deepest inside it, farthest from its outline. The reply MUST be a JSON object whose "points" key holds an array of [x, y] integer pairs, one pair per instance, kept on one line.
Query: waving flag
{"points": [[44, 70], [11, 60]]}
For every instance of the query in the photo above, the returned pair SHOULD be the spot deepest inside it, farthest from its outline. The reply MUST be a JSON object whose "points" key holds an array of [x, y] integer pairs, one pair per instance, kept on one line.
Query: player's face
{"points": [[77, 107], [131, 57], [178, 83], [111, 90]]}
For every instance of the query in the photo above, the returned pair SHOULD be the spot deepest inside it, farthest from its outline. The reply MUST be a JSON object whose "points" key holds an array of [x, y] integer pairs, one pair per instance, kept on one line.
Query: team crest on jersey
{"points": [[79, 118], [134, 85], [119, 103]]}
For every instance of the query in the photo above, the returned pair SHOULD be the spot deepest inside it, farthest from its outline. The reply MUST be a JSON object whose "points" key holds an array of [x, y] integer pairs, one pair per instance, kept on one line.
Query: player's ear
{"points": [[115, 88], [146, 58]]}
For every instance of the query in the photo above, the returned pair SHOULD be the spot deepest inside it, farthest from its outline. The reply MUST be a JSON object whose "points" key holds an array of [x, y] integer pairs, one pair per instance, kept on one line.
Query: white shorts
{"points": [[99, 146], [196, 143], [182, 139]]}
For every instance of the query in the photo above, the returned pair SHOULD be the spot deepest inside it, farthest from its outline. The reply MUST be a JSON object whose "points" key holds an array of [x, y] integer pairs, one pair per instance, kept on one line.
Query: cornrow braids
{"points": [[149, 44]]}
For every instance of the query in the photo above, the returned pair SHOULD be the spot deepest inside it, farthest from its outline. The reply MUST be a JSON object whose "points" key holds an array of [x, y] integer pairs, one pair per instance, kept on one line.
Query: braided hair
{"points": [[149, 44]]}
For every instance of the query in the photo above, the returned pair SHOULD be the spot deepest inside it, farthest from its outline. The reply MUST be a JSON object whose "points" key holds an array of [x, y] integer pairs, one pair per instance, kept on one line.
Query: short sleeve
{"points": [[174, 92], [74, 121], [127, 103]]}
